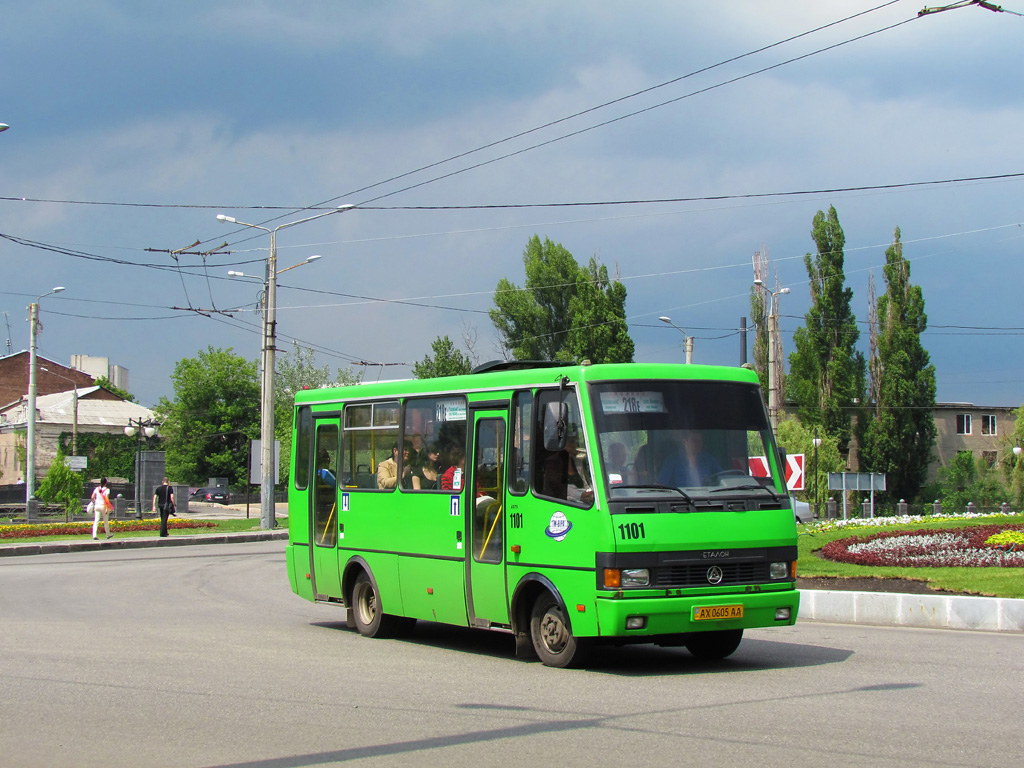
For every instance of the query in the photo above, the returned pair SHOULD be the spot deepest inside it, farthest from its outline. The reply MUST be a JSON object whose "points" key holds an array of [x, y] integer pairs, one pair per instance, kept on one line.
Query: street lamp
{"points": [[144, 428], [688, 343], [817, 444], [74, 423], [773, 332], [267, 475], [4, 127], [30, 417]]}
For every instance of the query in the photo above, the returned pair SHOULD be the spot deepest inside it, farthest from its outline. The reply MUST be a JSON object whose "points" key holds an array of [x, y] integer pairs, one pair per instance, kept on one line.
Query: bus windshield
{"points": [[689, 438]]}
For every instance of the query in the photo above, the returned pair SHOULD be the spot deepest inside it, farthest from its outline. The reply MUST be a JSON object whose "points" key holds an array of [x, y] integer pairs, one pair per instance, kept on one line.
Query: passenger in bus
{"points": [[387, 470], [323, 471], [451, 480], [689, 465], [426, 472], [562, 478]]}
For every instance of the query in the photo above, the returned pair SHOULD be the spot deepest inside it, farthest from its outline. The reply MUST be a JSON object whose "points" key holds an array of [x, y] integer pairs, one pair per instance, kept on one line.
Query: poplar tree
{"points": [[564, 311], [826, 372], [898, 440]]}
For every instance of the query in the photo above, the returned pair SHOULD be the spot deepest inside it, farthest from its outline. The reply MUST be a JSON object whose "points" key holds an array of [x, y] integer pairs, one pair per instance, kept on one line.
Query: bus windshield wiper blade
{"points": [[655, 486], [748, 487]]}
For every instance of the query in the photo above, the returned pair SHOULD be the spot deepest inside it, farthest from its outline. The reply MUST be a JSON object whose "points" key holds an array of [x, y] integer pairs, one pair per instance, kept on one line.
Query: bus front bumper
{"points": [[623, 616]]}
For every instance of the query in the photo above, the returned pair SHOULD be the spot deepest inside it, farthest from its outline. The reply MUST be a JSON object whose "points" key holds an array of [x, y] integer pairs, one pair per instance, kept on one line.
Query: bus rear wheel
{"points": [[553, 640], [370, 620], [711, 646]]}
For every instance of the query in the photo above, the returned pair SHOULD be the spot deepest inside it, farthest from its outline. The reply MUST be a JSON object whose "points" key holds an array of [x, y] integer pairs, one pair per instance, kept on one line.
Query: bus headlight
{"points": [[779, 570], [636, 577]]}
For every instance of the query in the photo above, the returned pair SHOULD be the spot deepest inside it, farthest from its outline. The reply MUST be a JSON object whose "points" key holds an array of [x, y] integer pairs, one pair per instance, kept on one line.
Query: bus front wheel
{"points": [[370, 620], [553, 640], [714, 645]]}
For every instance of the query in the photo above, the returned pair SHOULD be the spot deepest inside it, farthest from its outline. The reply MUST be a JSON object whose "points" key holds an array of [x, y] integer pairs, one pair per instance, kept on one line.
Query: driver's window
{"points": [[565, 474]]}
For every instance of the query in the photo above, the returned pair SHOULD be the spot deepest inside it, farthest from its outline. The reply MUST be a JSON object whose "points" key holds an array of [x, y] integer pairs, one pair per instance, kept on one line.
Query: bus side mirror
{"points": [[556, 426]]}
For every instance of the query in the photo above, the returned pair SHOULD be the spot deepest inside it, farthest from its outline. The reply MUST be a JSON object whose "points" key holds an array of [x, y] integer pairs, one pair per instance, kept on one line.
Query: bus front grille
{"points": [[697, 575]]}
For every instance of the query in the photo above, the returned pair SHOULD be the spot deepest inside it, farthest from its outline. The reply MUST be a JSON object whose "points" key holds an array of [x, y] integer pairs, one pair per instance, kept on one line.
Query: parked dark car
{"points": [[211, 494]]}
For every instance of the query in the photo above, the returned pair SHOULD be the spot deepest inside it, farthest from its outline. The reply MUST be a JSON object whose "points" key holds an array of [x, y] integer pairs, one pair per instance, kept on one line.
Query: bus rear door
{"points": [[323, 511], [486, 582]]}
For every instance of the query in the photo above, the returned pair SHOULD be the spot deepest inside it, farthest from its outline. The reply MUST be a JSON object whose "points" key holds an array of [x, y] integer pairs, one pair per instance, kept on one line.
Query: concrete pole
{"points": [[773, 385], [267, 507], [30, 413]]}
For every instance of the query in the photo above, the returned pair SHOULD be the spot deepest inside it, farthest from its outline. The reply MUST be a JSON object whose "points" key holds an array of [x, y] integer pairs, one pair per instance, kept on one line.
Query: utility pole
{"points": [[30, 414], [774, 365]]}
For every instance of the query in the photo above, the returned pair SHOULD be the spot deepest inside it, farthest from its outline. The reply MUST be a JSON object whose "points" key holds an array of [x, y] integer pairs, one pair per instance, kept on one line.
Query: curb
{"points": [[888, 609], [63, 547]]}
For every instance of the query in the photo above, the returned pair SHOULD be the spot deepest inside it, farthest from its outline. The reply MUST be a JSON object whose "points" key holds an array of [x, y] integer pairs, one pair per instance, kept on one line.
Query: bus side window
{"points": [[303, 440], [522, 423], [371, 429]]}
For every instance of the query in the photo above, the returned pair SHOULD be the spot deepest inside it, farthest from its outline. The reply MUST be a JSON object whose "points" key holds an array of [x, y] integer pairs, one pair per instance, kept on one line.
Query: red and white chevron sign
{"points": [[795, 477]]}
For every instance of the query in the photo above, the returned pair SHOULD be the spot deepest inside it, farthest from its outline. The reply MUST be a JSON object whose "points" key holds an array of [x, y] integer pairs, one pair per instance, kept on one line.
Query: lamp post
{"points": [[817, 444], [773, 332], [688, 343], [74, 423], [144, 428], [4, 127], [267, 474], [30, 416]]}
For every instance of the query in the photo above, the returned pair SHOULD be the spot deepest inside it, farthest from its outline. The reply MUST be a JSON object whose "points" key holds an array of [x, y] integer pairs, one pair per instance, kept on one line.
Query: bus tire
{"points": [[553, 640], [711, 646], [370, 620]]}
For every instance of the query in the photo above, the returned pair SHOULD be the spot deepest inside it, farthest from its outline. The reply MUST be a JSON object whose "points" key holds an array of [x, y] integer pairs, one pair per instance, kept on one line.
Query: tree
{"points": [[62, 485], [215, 411], [446, 361], [541, 321], [966, 480], [1013, 465], [899, 437], [598, 310], [826, 373]]}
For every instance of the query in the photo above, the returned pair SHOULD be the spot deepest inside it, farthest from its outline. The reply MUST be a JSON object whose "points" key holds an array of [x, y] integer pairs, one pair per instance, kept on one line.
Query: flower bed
{"points": [[929, 548], [31, 530]]}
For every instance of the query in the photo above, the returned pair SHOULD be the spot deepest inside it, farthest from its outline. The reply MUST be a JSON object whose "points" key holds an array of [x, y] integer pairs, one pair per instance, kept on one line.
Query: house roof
{"points": [[59, 409]]}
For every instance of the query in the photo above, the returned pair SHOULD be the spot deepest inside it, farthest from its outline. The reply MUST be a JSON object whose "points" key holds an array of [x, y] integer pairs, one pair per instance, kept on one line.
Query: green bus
{"points": [[568, 505]]}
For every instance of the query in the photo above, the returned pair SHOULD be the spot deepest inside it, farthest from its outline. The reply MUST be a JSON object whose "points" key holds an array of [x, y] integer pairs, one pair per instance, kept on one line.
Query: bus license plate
{"points": [[710, 612]]}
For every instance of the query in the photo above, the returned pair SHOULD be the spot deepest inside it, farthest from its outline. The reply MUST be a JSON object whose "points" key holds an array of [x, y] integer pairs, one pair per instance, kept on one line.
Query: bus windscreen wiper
{"points": [[655, 486], [748, 487]]}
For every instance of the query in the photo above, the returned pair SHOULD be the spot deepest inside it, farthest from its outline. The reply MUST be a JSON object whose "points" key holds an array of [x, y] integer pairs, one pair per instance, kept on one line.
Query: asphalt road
{"points": [[201, 656]]}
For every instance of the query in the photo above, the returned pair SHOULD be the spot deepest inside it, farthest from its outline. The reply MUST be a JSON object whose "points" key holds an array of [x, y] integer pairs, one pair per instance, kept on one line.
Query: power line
{"points": [[568, 204]]}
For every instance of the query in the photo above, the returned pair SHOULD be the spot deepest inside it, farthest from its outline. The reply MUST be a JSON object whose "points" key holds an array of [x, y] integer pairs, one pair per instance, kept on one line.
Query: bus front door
{"points": [[486, 581], [323, 512]]}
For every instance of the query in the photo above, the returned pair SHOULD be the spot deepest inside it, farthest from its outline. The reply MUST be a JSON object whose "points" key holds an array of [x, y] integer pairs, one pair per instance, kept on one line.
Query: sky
{"points": [[133, 125]]}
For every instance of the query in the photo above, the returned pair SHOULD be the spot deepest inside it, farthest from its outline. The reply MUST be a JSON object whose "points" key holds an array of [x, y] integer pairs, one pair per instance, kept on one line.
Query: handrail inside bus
{"points": [[327, 525], [490, 532]]}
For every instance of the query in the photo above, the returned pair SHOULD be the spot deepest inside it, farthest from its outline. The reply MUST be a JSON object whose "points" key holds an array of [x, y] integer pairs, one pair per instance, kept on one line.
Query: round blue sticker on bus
{"points": [[558, 526]]}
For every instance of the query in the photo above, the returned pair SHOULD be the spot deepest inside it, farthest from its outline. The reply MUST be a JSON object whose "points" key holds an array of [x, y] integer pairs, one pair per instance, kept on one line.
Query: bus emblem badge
{"points": [[558, 526], [715, 575]]}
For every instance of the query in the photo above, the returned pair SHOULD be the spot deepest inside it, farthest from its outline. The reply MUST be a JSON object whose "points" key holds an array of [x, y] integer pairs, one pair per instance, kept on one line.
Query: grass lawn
{"points": [[177, 527], [991, 582]]}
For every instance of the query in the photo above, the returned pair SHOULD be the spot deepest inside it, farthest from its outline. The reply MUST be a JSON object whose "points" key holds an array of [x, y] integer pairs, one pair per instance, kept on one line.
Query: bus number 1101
{"points": [[632, 531]]}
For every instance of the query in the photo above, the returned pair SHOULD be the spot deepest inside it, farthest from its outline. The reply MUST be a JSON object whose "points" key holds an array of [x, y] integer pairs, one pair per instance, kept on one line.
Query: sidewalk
{"points": [[197, 511], [992, 614]]}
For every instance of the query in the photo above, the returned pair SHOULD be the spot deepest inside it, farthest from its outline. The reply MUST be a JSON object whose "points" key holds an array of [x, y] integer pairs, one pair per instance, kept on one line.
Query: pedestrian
{"points": [[163, 500], [101, 506]]}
